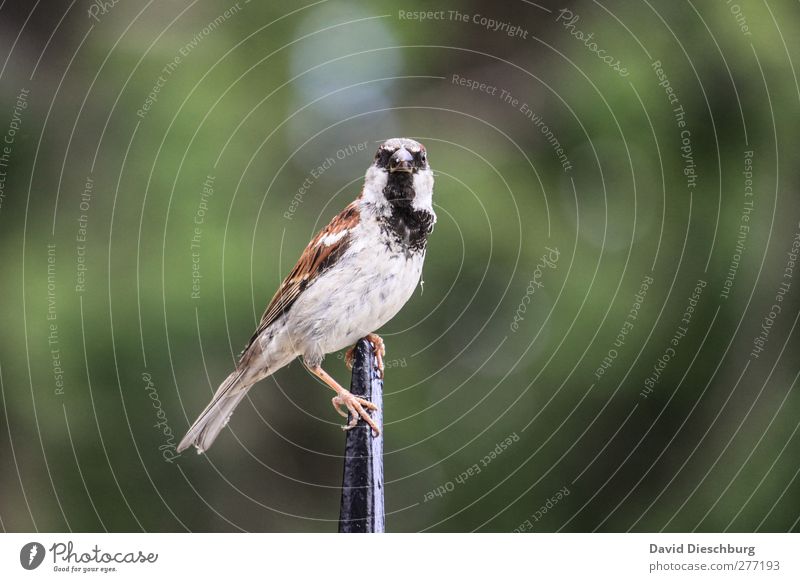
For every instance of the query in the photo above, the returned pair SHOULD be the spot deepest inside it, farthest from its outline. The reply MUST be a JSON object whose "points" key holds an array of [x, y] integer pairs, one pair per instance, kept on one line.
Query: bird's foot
{"points": [[356, 406], [378, 349]]}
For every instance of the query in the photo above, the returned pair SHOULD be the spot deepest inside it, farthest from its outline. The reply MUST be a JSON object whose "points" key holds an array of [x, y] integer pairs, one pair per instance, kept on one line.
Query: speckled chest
{"points": [[371, 282]]}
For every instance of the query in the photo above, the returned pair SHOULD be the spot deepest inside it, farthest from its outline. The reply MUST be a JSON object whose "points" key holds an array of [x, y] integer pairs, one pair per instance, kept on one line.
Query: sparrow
{"points": [[352, 278]]}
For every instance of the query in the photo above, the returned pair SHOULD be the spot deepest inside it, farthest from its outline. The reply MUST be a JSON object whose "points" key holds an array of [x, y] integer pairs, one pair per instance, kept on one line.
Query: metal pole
{"points": [[362, 508]]}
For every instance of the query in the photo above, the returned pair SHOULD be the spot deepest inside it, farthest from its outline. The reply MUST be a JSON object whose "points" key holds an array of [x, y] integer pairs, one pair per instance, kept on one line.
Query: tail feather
{"points": [[215, 416]]}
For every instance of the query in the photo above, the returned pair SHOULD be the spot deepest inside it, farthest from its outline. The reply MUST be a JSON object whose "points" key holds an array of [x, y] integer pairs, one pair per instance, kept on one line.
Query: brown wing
{"points": [[321, 253]]}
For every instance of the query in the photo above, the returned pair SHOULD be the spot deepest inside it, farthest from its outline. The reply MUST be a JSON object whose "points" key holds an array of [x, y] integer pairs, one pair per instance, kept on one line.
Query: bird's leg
{"points": [[378, 348], [355, 404]]}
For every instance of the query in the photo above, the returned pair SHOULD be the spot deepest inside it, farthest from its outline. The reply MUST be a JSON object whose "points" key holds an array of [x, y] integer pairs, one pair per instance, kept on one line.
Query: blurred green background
{"points": [[168, 162]]}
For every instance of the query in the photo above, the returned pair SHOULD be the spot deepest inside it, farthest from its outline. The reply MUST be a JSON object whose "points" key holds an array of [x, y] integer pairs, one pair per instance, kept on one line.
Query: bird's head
{"points": [[400, 175]]}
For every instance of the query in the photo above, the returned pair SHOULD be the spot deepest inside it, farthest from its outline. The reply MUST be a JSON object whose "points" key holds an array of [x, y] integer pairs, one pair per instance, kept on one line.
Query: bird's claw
{"points": [[378, 349], [356, 407]]}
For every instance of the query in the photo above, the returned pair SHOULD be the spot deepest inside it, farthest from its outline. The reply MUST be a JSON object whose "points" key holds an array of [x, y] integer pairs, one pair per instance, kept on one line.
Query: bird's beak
{"points": [[401, 161]]}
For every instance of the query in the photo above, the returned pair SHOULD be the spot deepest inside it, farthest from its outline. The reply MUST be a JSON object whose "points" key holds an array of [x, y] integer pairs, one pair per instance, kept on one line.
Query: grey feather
{"points": [[215, 416]]}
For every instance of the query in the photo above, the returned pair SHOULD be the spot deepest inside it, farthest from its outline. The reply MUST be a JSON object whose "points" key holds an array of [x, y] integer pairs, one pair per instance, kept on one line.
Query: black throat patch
{"points": [[399, 189], [405, 226]]}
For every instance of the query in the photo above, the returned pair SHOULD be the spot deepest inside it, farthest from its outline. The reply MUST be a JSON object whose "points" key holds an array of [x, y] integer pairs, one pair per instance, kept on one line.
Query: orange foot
{"points": [[356, 405], [378, 349]]}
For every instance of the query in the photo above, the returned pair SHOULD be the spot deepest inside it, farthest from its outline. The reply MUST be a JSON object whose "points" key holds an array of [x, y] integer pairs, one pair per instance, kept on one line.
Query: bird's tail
{"points": [[215, 416]]}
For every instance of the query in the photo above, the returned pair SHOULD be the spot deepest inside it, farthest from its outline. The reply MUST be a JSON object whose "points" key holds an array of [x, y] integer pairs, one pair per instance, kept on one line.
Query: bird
{"points": [[351, 279]]}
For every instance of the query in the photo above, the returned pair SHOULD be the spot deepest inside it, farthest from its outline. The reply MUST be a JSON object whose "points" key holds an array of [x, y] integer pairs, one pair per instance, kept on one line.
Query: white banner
{"points": [[373, 558]]}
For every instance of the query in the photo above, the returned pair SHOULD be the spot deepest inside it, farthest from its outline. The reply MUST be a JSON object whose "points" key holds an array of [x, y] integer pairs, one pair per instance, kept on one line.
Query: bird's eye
{"points": [[423, 157], [382, 157]]}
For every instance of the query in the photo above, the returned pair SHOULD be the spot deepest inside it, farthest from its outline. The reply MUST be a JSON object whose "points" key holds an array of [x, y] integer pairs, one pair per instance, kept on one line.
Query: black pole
{"points": [[362, 485]]}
